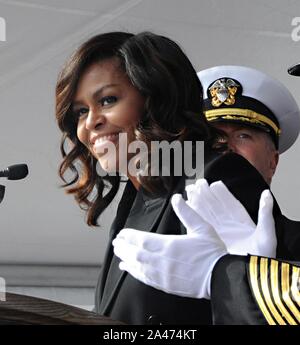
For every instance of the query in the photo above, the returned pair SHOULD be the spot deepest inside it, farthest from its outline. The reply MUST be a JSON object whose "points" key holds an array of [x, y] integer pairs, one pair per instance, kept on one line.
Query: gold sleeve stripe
{"points": [[276, 288], [256, 291], [246, 113], [266, 291], [296, 285], [285, 268], [276, 293]]}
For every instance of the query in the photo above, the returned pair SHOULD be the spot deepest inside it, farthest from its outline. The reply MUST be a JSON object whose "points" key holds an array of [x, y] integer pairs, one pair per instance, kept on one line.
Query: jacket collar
{"points": [[152, 209]]}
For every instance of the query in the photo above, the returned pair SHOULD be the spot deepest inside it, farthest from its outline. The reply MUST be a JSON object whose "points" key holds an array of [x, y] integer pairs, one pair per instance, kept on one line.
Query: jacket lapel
{"points": [[118, 223], [144, 215]]}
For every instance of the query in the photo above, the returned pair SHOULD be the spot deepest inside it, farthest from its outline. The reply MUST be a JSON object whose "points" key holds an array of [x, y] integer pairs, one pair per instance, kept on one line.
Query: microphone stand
{"points": [[2, 192]]}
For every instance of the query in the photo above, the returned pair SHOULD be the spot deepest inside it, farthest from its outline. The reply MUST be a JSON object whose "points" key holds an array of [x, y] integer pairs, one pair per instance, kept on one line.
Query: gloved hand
{"points": [[182, 264], [176, 264], [218, 207]]}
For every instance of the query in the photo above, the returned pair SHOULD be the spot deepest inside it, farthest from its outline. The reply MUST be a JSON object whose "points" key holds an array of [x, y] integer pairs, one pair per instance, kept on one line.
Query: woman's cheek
{"points": [[82, 134]]}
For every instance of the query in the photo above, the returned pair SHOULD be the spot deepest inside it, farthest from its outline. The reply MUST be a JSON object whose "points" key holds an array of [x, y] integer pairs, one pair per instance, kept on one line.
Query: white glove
{"points": [[218, 207], [176, 264]]}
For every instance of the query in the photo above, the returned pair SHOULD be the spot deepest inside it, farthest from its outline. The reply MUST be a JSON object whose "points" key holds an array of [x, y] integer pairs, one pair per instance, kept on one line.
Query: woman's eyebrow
{"points": [[98, 92], [95, 94]]}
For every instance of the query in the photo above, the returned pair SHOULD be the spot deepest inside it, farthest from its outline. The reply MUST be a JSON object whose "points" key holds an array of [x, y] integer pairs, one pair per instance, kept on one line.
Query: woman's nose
{"points": [[94, 119]]}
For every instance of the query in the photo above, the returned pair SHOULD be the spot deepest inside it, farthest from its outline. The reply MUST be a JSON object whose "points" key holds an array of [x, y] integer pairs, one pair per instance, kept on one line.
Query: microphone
{"points": [[294, 70], [15, 172]]}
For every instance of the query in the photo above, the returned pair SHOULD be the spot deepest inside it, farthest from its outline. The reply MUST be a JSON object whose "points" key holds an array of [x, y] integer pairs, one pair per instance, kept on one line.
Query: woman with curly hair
{"points": [[142, 86]]}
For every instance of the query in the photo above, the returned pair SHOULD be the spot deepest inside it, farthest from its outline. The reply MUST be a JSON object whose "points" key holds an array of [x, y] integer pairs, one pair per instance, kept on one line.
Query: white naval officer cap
{"points": [[244, 95]]}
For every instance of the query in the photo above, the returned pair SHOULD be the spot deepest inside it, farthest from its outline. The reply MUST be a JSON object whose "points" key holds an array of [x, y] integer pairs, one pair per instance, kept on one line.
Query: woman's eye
{"points": [[108, 100], [81, 111]]}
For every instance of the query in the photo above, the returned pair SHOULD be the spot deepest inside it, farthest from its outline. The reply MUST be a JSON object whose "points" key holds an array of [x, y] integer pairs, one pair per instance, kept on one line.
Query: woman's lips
{"points": [[104, 142]]}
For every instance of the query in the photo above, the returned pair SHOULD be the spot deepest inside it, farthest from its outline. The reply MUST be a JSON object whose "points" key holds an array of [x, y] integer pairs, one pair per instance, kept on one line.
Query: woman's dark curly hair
{"points": [[163, 74]]}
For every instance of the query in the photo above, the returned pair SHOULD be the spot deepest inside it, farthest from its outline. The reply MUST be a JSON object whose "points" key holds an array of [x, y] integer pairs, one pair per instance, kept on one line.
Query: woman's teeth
{"points": [[109, 137]]}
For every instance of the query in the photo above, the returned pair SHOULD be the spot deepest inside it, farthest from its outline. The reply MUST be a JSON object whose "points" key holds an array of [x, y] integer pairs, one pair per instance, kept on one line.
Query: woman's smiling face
{"points": [[106, 104]]}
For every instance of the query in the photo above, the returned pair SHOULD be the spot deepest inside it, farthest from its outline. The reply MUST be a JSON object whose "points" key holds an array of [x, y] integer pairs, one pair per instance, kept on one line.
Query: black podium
{"points": [[26, 310]]}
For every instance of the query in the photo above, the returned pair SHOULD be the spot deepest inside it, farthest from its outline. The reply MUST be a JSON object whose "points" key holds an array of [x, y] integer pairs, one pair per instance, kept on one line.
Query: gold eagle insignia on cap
{"points": [[276, 288], [223, 91]]}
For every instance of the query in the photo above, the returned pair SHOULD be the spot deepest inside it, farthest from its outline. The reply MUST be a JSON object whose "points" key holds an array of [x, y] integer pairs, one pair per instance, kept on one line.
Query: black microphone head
{"points": [[2, 192], [294, 70], [17, 171]]}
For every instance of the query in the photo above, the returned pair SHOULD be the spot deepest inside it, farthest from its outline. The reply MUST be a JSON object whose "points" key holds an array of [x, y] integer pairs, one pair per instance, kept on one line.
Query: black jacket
{"points": [[123, 298], [232, 294], [248, 290], [246, 184]]}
